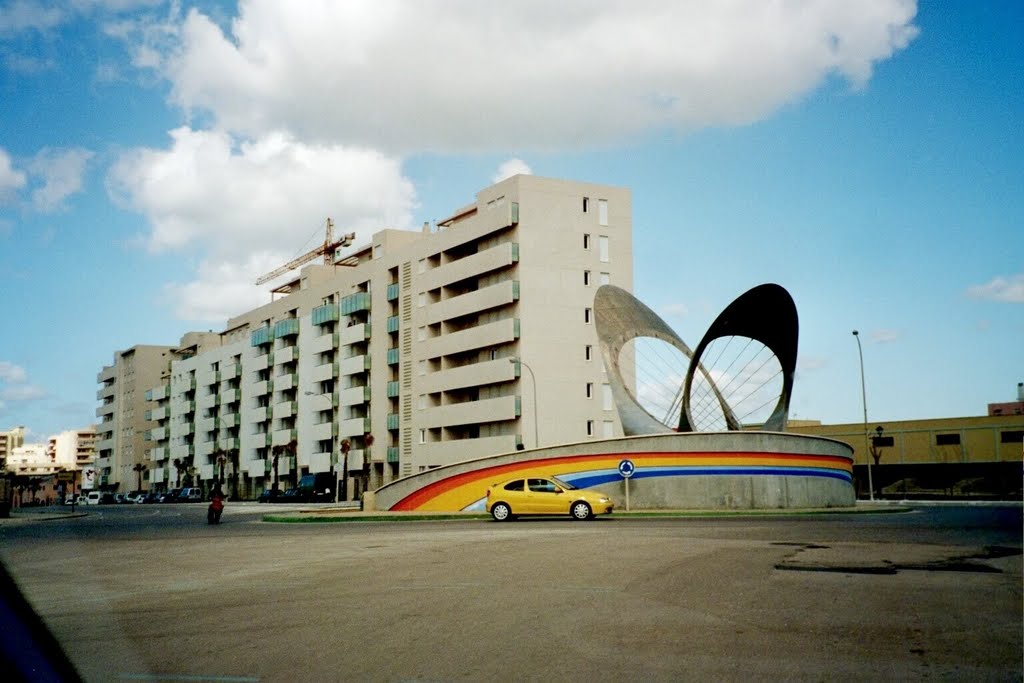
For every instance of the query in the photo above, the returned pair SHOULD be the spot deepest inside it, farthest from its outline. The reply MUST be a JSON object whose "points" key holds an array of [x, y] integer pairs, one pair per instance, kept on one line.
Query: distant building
{"points": [[1011, 408], [10, 440], [122, 411], [416, 350], [73, 449]]}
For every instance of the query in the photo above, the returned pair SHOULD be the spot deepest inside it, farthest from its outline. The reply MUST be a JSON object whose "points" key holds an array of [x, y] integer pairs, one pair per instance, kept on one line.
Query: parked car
{"points": [[544, 496], [137, 497], [190, 495], [152, 497], [269, 496], [289, 496], [169, 496], [317, 487], [92, 498], [120, 497]]}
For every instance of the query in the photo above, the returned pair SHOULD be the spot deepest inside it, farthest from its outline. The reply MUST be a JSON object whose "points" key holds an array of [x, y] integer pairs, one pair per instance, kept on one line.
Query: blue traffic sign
{"points": [[627, 468]]}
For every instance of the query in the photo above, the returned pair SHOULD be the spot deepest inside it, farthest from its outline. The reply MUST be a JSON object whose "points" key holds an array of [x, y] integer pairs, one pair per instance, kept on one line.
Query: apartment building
{"points": [[119, 435], [73, 449], [9, 440], [472, 337]]}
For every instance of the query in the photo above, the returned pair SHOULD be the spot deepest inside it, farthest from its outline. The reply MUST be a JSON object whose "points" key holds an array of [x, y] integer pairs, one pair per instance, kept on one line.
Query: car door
{"points": [[545, 496]]}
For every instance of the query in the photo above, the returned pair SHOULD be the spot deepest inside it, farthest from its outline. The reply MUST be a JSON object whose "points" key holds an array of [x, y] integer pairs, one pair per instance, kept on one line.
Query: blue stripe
{"points": [[595, 478]]}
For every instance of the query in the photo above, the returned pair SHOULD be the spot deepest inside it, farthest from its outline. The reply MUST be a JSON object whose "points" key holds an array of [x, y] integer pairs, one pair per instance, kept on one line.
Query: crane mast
{"points": [[326, 250]]}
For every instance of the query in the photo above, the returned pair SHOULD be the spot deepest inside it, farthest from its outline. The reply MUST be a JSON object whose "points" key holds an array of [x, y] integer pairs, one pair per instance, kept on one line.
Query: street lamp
{"points": [[536, 440], [864, 400]]}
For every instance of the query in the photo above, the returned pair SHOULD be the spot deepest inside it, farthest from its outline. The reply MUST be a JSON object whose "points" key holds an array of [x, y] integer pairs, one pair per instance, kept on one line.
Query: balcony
{"points": [[393, 452], [354, 365], [354, 427], [480, 263], [393, 421], [321, 373], [354, 303], [283, 436], [260, 414], [392, 293], [229, 442], [325, 314], [106, 409], [260, 362], [481, 336], [394, 388], [158, 453], [106, 391], [353, 396], [284, 382], [394, 356], [286, 355], [353, 334], [323, 431], [477, 374], [231, 371], [481, 300], [289, 327], [285, 409], [229, 420], [156, 434], [159, 393], [230, 396], [324, 342], [393, 324], [107, 374], [260, 336], [261, 388], [474, 412], [157, 413], [450, 452]]}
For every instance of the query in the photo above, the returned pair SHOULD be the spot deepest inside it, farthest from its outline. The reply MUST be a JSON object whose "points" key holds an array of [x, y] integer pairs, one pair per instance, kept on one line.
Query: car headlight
{"points": [[604, 500]]}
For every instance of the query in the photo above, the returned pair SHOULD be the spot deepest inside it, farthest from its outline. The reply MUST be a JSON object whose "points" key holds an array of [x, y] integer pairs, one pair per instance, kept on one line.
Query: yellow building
{"points": [[956, 455]]}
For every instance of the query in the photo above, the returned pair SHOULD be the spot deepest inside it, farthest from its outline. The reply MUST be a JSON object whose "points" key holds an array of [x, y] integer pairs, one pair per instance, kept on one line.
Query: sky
{"points": [[156, 157]]}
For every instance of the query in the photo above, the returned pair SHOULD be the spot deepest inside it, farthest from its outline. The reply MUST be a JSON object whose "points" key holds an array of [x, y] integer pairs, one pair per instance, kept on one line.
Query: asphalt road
{"points": [[153, 593]]}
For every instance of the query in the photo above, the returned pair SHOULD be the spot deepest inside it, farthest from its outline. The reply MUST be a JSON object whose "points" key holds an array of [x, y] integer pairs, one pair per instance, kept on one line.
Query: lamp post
{"points": [[864, 401], [533, 377]]}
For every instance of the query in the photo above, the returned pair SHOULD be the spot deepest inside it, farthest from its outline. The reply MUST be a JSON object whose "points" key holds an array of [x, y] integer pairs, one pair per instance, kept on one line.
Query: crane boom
{"points": [[326, 250]]}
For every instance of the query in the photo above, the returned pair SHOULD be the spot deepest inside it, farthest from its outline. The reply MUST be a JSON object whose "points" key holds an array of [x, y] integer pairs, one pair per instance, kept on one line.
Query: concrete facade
{"points": [[416, 350], [10, 440], [723, 470]]}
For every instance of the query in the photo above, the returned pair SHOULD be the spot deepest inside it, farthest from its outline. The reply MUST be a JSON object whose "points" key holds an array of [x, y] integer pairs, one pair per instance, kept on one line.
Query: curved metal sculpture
{"points": [[765, 313]]}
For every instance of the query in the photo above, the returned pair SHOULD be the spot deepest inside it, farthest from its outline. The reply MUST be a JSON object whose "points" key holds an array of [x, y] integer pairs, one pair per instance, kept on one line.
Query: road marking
{"points": [[170, 678]]}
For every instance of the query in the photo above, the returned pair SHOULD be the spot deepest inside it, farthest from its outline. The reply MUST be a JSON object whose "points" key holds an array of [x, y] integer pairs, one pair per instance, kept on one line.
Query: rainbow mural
{"points": [[467, 490]]}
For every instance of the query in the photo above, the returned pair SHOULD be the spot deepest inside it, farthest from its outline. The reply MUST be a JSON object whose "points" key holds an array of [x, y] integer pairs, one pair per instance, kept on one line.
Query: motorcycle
{"points": [[214, 511]]}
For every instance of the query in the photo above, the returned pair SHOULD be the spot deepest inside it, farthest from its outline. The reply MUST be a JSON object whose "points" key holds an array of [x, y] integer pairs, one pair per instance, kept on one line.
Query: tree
{"points": [[276, 452], [233, 454], [178, 464], [138, 468], [366, 462], [346, 446]]}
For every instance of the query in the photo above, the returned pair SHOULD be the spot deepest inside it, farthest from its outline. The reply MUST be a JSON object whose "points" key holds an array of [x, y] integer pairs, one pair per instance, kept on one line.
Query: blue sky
{"points": [[869, 157]]}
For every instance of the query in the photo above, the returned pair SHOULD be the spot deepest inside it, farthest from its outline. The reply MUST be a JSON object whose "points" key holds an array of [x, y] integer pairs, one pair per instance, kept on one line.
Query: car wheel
{"points": [[580, 510], [501, 512]]}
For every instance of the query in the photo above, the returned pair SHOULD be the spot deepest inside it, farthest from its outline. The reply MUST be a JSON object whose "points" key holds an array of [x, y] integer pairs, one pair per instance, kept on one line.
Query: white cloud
{"points": [[510, 168], [24, 15], [11, 180], [9, 372], [1006, 289], [583, 73], [885, 336], [61, 172], [251, 206], [22, 393]]}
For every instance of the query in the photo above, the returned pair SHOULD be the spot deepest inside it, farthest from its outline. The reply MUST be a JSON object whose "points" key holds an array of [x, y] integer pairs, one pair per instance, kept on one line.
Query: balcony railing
{"points": [[354, 303], [393, 324], [393, 452], [393, 356], [325, 314], [393, 389], [392, 291], [260, 336], [393, 421], [286, 328]]}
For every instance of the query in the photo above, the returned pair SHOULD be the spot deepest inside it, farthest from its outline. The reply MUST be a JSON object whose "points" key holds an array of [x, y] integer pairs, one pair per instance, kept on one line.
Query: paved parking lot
{"points": [[152, 593]]}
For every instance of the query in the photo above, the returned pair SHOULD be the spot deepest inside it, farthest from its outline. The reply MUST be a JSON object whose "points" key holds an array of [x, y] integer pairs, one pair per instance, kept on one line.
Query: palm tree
{"points": [[276, 451], [138, 468], [177, 472], [346, 446], [218, 456], [232, 454], [366, 461]]}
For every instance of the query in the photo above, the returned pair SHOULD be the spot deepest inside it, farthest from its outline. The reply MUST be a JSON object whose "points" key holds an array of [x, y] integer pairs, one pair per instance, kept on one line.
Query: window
{"points": [[422, 301], [516, 485], [586, 204], [588, 314], [423, 367], [586, 278], [590, 427], [607, 402], [422, 401], [421, 333], [588, 352], [586, 241], [421, 266], [423, 436], [494, 354], [542, 486], [605, 279], [1011, 437], [602, 212], [608, 429], [947, 439], [602, 248], [590, 390]]}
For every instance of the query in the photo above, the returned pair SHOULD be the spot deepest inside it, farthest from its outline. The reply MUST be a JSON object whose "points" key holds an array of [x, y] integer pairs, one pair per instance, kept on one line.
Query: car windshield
{"points": [[565, 485]]}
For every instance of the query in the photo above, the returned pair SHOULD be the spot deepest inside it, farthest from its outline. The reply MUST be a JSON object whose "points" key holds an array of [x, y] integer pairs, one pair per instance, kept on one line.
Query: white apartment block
{"points": [[416, 350], [119, 442], [73, 449], [9, 440]]}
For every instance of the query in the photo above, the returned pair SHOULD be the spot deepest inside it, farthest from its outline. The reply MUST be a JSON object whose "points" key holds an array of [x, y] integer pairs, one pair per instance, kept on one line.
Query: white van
{"points": [[93, 498]]}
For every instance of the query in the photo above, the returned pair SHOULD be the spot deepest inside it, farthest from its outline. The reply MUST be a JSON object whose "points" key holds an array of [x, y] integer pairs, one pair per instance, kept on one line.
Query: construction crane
{"points": [[326, 250]]}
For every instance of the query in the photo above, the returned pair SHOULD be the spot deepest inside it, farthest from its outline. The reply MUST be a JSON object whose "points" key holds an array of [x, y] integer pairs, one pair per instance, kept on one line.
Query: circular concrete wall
{"points": [[724, 470]]}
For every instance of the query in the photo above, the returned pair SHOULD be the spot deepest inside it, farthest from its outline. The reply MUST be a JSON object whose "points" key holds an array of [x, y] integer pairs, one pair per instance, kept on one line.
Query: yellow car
{"points": [[544, 496]]}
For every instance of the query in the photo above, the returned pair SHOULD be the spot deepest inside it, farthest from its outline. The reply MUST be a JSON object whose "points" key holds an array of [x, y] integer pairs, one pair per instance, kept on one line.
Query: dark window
{"points": [[882, 441], [514, 485], [1011, 437], [947, 439], [543, 486], [586, 204]]}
